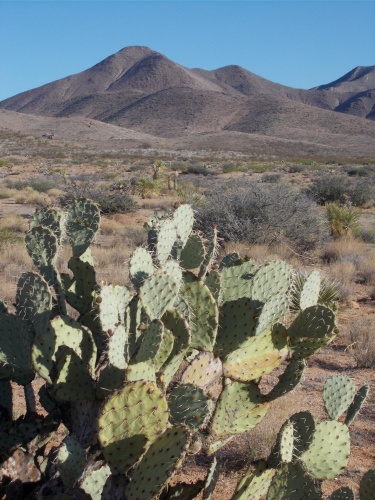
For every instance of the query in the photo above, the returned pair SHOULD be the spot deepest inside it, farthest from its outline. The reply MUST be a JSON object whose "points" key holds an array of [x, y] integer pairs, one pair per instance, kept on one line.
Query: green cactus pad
{"points": [[79, 291], [282, 452], [175, 323], [140, 371], [304, 428], [41, 245], [210, 255], [193, 253], [236, 281], [204, 312], [338, 394], [73, 382], [211, 481], [117, 344], [140, 266], [159, 291], [240, 408], [34, 301], [315, 322], [166, 238], [15, 362], [156, 346], [82, 223], [293, 483], [188, 405], [275, 307], [213, 281], [288, 380], [254, 485], [129, 419], [62, 330], [230, 260], [109, 379], [183, 218], [257, 357], [202, 371], [94, 482], [271, 278], [112, 304], [158, 464], [357, 404], [367, 485], [53, 218], [237, 322], [303, 348], [310, 291], [70, 461], [344, 493], [328, 452]]}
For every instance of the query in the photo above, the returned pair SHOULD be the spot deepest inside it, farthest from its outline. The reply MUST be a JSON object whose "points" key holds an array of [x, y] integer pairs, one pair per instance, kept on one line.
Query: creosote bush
{"points": [[262, 214], [341, 189]]}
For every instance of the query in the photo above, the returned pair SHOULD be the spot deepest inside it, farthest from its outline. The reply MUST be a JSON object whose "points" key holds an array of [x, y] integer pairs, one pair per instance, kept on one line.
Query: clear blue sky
{"points": [[297, 43]]}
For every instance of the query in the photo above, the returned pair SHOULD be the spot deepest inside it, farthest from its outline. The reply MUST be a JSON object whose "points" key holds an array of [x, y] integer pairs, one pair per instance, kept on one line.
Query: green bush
{"points": [[198, 170], [262, 213], [109, 201], [341, 189]]}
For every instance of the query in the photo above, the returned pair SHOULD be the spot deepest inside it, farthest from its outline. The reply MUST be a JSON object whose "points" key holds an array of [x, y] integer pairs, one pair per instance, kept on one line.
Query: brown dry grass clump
{"points": [[361, 337]]}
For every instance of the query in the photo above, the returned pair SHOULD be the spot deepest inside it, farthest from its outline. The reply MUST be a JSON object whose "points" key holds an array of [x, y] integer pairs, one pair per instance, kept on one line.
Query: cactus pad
{"points": [[288, 380], [275, 307], [212, 478], [328, 452], [254, 485], [310, 291], [338, 393], [183, 218], [357, 404], [82, 223], [236, 281], [315, 322], [193, 252], [93, 483], [70, 461], [202, 371], [257, 357], [304, 428], [158, 464], [344, 493], [129, 419], [271, 278], [367, 485], [293, 483], [188, 405], [140, 266], [240, 408]]}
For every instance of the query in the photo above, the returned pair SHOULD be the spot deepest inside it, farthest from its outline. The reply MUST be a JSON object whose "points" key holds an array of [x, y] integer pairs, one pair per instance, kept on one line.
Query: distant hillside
{"points": [[147, 94]]}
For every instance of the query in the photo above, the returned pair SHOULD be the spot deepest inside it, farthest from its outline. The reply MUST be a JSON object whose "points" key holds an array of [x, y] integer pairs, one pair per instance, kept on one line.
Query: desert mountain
{"points": [[144, 92]]}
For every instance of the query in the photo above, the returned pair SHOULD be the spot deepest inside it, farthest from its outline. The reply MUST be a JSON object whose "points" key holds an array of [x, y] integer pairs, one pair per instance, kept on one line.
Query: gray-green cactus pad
{"points": [[193, 252], [338, 394], [188, 405], [328, 452], [254, 485], [357, 404], [240, 407], [93, 483], [367, 485], [70, 461], [211, 481], [203, 370], [344, 493], [158, 464], [129, 419], [82, 223], [310, 291], [140, 266], [293, 483]]}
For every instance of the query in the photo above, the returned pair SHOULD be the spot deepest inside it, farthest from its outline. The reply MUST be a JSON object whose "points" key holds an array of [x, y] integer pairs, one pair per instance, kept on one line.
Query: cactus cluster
{"points": [[142, 372]]}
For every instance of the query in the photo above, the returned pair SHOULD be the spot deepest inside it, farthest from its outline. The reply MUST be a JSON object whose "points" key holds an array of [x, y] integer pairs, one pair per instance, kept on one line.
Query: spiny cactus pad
{"points": [[273, 277], [82, 223], [293, 483], [338, 394], [188, 405], [288, 380], [367, 485], [275, 307], [315, 322], [212, 478], [202, 371], [93, 483], [344, 493], [240, 407], [80, 290], [129, 419], [237, 322], [140, 371], [257, 357], [41, 245], [34, 301], [328, 452], [183, 218], [193, 253], [357, 404], [70, 461], [140, 266], [158, 464], [304, 428], [166, 238], [160, 290], [236, 281], [254, 485], [204, 311], [53, 218], [310, 291], [61, 331]]}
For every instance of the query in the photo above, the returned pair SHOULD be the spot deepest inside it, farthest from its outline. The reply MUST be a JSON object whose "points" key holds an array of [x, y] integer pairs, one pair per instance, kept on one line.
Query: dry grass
{"points": [[361, 337], [30, 196], [13, 262], [343, 249], [366, 270], [14, 222]]}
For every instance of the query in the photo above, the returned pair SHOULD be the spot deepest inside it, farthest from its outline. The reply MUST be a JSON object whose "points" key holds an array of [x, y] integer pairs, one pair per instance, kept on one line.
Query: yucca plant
{"points": [[343, 220]]}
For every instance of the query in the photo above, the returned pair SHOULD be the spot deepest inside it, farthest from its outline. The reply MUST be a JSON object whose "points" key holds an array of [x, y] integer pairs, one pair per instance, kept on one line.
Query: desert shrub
{"points": [[147, 187], [108, 200], [8, 236], [296, 169], [40, 183], [361, 333], [198, 170], [262, 214], [341, 189], [271, 178], [343, 220]]}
